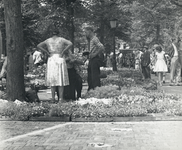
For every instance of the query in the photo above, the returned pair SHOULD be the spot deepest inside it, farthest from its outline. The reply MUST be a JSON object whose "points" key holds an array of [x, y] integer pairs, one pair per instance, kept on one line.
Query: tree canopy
{"points": [[139, 22]]}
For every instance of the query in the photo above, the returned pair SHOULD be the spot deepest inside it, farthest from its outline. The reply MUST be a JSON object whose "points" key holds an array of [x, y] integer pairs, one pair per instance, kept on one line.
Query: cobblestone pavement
{"points": [[159, 135], [10, 129]]}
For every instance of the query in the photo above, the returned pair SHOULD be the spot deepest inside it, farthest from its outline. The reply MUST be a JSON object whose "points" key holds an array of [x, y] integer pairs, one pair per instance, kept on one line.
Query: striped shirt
{"points": [[95, 45]]}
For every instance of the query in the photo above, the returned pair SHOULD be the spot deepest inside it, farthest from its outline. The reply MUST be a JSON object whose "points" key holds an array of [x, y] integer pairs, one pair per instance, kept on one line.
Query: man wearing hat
{"points": [[145, 62]]}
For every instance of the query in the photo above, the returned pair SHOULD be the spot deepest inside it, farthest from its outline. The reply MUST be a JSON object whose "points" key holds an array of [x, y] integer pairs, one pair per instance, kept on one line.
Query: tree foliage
{"points": [[140, 22], [154, 22]]}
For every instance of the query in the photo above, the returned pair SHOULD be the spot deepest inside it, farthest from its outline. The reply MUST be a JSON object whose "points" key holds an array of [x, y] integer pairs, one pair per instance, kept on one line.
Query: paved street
{"points": [[88, 136]]}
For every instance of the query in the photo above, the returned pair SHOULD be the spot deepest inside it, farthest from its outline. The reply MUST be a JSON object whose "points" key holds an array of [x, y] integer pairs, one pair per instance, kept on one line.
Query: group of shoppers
{"points": [[62, 71]]}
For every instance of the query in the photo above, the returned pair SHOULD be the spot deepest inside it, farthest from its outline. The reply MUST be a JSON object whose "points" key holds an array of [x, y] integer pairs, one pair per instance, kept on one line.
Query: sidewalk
{"points": [[166, 87], [162, 135], [45, 95]]}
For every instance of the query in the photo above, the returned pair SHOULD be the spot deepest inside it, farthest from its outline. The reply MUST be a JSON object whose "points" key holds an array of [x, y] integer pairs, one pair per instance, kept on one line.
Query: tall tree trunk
{"points": [[114, 51], [102, 31], [72, 26], [14, 45], [1, 44], [70, 5], [157, 33]]}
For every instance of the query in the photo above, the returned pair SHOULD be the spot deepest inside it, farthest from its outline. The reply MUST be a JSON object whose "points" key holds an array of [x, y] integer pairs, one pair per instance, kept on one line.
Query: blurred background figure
{"points": [[37, 57], [3, 69], [138, 54], [120, 60], [30, 61], [176, 59], [145, 62], [160, 65]]}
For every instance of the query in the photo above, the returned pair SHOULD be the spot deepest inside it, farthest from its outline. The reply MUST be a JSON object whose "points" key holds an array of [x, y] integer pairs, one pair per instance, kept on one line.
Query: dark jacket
{"points": [[145, 59]]}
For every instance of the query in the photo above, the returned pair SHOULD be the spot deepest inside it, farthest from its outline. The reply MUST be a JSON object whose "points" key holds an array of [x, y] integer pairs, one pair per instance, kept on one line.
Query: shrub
{"points": [[128, 78], [103, 92], [62, 109], [16, 112]]}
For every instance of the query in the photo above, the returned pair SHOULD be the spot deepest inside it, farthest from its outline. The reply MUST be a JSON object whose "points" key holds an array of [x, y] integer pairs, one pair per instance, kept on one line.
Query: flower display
{"points": [[36, 77], [121, 95]]}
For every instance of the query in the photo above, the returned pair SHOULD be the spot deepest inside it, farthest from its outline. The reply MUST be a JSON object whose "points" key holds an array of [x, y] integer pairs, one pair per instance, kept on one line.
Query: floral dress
{"points": [[57, 73]]}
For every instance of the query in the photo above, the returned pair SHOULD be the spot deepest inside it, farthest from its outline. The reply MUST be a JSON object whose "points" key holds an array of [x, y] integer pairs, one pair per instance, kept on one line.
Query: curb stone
{"points": [[4, 118], [92, 119], [49, 118], [149, 117]]}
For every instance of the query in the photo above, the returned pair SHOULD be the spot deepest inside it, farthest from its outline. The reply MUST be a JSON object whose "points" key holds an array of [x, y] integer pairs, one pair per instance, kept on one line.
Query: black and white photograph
{"points": [[90, 74]]}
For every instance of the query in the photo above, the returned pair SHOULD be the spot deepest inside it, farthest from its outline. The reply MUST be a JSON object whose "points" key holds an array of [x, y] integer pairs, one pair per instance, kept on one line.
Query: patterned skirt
{"points": [[57, 73]]}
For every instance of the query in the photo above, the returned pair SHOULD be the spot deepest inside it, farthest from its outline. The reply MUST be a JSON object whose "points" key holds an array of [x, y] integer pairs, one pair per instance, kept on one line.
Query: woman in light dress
{"points": [[160, 66], [57, 74]]}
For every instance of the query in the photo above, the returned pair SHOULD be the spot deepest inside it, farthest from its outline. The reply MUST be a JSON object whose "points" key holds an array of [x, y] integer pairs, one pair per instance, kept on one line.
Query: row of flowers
{"points": [[105, 101]]}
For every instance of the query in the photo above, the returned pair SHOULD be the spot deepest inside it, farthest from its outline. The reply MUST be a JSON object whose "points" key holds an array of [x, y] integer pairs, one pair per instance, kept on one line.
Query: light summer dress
{"points": [[160, 65], [57, 74]]}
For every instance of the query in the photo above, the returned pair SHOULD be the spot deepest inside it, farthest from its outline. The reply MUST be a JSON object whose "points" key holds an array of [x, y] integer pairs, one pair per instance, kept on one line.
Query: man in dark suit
{"points": [[145, 61]]}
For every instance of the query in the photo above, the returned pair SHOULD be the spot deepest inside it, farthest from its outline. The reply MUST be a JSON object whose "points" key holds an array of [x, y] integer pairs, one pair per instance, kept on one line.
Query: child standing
{"points": [[160, 66]]}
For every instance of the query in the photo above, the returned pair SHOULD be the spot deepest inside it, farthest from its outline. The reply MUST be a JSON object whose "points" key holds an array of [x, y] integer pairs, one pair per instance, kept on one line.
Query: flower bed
{"points": [[22, 110], [104, 102], [36, 77], [128, 78], [123, 94]]}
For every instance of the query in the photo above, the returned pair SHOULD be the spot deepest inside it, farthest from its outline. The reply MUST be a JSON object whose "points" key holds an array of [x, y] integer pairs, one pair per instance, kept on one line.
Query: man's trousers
{"points": [[94, 73], [146, 72], [174, 62]]}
